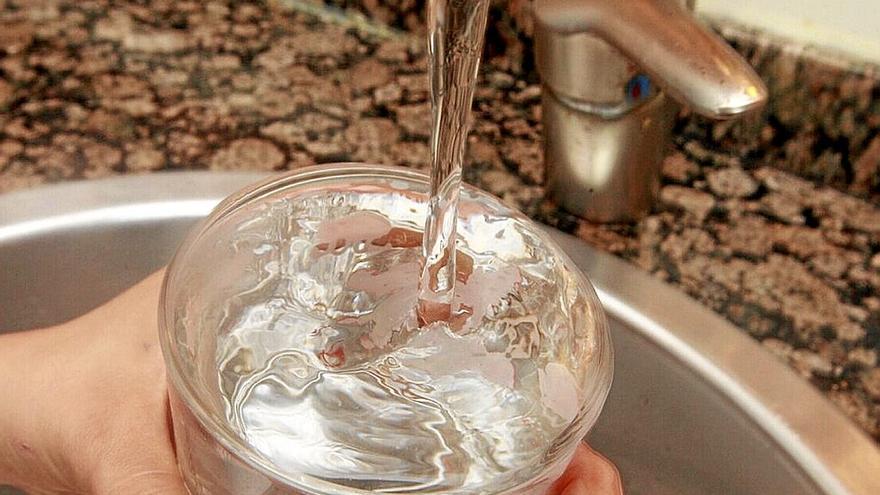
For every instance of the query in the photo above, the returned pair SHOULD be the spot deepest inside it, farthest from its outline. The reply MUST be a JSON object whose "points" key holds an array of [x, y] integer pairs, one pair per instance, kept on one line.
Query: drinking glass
{"points": [[528, 336]]}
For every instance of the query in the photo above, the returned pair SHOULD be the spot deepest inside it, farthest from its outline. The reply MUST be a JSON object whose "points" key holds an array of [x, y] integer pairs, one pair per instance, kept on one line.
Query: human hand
{"points": [[87, 409]]}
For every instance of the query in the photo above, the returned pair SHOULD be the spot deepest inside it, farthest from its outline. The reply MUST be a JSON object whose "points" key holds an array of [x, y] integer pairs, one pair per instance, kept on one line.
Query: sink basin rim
{"points": [[830, 449]]}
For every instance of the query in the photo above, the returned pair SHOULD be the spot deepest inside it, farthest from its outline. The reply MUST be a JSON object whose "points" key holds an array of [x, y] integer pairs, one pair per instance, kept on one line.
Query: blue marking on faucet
{"points": [[638, 88]]}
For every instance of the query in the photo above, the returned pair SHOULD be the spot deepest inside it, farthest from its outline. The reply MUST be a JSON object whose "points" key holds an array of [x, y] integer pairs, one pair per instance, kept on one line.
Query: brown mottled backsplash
{"points": [[822, 122]]}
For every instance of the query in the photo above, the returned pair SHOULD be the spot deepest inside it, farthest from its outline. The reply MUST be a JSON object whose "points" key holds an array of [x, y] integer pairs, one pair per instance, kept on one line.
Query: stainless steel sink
{"points": [[697, 406]]}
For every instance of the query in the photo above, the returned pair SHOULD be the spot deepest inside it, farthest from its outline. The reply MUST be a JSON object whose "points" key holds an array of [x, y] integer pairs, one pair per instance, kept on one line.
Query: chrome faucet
{"points": [[608, 69]]}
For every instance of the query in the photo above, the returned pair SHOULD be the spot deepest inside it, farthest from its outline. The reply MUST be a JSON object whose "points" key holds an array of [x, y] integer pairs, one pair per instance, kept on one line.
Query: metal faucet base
{"points": [[605, 169]]}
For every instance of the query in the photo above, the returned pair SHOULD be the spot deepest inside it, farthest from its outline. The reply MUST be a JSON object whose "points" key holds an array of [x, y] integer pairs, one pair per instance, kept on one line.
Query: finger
{"points": [[589, 474], [577, 487], [145, 482]]}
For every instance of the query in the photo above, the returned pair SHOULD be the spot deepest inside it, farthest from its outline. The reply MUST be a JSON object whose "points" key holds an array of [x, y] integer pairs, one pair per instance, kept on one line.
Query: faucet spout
{"points": [[693, 65]]}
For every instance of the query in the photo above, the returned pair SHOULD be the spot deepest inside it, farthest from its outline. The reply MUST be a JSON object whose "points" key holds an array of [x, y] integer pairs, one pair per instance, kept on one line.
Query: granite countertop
{"points": [[93, 88]]}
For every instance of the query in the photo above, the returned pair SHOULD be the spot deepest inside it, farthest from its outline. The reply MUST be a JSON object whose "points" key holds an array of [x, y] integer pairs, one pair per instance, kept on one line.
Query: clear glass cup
{"points": [[511, 389]]}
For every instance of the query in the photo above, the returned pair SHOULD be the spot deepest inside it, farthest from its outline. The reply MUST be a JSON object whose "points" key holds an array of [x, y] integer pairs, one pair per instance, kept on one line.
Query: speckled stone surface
{"points": [[94, 88], [822, 123]]}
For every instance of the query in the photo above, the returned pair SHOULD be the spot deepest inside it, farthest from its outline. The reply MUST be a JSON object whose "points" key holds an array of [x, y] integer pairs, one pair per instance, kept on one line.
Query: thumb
{"points": [[144, 463], [151, 470]]}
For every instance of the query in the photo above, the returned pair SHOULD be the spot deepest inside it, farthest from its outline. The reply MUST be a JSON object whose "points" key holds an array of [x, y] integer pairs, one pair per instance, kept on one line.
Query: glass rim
{"points": [[233, 443]]}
